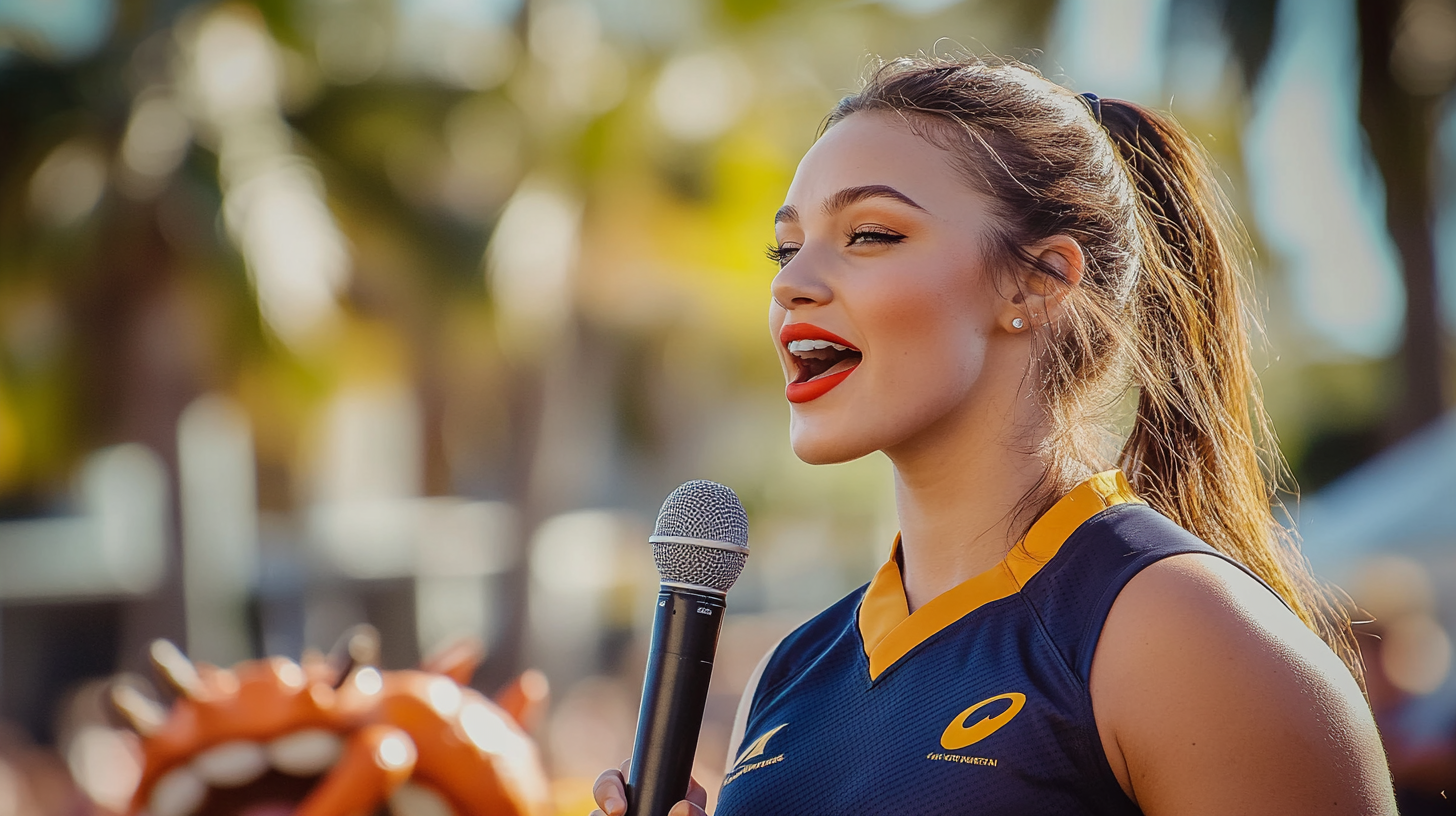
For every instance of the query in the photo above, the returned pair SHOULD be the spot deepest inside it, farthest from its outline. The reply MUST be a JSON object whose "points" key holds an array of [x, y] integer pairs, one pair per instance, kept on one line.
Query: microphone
{"points": [[700, 544]]}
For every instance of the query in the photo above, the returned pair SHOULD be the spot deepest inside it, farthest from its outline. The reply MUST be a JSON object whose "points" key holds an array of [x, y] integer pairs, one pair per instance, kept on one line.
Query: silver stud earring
{"points": [[1018, 323]]}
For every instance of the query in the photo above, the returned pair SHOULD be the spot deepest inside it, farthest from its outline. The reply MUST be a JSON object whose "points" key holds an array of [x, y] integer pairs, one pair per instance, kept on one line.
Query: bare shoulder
{"points": [[1212, 697]]}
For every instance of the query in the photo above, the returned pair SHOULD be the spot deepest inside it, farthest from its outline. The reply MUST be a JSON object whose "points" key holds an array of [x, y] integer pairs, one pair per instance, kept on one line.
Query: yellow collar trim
{"points": [[889, 630]]}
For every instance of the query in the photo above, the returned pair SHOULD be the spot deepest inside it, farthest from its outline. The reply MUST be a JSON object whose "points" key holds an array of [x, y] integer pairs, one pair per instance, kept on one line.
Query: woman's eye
{"points": [[781, 253], [874, 236]]}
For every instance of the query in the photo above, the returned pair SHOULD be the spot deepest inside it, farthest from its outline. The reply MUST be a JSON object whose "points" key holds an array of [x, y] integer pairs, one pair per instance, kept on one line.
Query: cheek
{"points": [[930, 330]]}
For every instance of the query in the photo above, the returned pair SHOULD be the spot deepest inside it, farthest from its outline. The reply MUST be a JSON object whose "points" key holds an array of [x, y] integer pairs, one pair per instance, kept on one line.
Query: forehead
{"points": [[871, 148]]}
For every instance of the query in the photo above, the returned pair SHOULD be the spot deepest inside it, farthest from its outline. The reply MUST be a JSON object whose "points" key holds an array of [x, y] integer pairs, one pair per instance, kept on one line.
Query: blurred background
{"points": [[412, 311]]}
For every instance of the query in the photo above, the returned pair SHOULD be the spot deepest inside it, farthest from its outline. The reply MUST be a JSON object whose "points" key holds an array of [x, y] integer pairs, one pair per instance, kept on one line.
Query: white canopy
{"points": [[1401, 501]]}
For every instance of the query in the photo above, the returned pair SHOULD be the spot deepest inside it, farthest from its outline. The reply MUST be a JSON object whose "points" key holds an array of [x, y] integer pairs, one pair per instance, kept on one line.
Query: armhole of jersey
{"points": [[745, 705], [1092, 635], [1092, 638]]}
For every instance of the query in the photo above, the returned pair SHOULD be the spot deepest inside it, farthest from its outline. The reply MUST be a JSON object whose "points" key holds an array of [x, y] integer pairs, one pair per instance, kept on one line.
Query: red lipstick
{"points": [[814, 389], [816, 378], [808, 331]]}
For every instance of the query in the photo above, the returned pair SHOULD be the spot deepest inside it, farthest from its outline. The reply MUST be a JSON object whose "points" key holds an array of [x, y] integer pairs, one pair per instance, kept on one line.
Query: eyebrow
{"points": [[846, 197]]}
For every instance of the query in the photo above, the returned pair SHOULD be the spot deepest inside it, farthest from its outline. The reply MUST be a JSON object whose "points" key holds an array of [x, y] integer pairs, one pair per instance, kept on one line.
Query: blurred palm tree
{"points": [[1407, 73]]}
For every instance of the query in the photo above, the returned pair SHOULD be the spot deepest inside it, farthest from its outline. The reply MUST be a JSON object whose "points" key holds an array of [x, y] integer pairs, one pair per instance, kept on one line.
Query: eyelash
{"points": [[875, 236], [782, 254]]}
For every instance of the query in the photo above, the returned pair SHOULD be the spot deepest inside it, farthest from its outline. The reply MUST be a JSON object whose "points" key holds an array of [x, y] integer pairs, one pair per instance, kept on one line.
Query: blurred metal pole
{"points": [[219, 498], [530, 267], [508, 655]]}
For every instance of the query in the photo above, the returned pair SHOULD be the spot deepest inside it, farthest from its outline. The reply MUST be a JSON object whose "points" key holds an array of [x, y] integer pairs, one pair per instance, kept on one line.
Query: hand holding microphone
{"points": [[610, 793], [700, 544]]}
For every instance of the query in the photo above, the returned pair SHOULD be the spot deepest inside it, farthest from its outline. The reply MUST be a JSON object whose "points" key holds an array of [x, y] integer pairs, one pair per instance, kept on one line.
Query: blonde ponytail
{"points": [[1201, 448]]}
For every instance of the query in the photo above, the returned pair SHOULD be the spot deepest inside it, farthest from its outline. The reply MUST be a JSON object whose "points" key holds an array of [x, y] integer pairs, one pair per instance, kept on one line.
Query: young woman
{"points": [[975, 266]]}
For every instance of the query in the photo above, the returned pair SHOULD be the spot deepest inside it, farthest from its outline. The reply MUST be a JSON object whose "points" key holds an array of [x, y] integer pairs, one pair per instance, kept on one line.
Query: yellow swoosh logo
{"points": [[958, 735], [757, 747]]}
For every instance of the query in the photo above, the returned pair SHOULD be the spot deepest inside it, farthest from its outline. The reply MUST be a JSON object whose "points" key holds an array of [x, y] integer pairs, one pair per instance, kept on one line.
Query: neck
{"points": [[957, 491]]}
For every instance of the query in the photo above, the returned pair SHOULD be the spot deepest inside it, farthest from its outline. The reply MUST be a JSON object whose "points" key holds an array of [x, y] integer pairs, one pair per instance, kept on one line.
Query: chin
{"points": [[816, 444]]}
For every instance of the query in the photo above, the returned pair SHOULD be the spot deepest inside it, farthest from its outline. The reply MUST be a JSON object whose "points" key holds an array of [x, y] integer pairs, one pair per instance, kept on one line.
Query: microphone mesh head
{"points": [[709, 512]]}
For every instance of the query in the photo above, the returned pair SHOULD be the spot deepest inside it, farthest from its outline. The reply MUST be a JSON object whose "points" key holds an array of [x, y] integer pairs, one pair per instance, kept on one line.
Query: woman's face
{"points": [[885, 315]]}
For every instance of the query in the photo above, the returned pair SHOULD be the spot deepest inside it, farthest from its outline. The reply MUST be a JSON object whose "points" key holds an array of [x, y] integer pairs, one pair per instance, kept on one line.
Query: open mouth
{"points": [[245, 778], [822, 360], [272, 794]]}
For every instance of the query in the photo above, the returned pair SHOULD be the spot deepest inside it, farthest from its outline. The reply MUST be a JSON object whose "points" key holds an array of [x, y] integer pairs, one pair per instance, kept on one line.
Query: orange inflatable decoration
{"points": [[335, 736]]}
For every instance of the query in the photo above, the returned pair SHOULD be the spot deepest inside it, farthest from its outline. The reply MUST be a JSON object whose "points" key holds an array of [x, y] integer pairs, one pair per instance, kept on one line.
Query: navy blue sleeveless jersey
{"points": [[977, 703]]}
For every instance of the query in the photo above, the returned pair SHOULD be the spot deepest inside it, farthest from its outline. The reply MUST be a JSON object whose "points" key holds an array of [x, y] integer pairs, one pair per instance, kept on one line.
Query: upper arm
{"points": [[1212, 698]]}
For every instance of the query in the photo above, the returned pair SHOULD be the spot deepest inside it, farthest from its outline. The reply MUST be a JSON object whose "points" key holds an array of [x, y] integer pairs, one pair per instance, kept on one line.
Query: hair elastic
{"points": [[1094, 104]]}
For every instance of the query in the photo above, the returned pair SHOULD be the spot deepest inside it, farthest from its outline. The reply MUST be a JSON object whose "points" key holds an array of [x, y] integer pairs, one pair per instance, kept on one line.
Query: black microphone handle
{"points": [[679, 665]]}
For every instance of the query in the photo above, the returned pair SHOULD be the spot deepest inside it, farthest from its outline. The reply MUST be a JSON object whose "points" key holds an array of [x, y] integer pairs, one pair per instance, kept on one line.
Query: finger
{"points": [[613, 806], [626, 767], [686, 808], [611, 777], [697, 794], [610, 793]]}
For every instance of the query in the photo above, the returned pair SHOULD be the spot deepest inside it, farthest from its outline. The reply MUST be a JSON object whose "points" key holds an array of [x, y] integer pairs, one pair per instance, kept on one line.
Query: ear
{"points": [[1039, 296]]}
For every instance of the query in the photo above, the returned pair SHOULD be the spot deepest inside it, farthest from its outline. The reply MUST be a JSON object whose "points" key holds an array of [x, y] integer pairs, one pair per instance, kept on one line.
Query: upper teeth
{"points": [[419, 799], [305, 753], [178, 793], [231, 764], [182, 791], [814, 345]]}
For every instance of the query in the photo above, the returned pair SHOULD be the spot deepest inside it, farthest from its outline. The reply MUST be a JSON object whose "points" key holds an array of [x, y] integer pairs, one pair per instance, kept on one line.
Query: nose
{"points": [[799, 283]]}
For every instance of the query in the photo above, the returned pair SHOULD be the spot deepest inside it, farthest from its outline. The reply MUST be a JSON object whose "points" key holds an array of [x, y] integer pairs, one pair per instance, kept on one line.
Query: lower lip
{"points": [[814, 389]]}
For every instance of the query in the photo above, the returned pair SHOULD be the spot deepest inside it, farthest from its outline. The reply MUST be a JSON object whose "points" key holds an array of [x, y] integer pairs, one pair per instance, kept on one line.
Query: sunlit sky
{"points": [[70, 28], [1112, 48]]}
